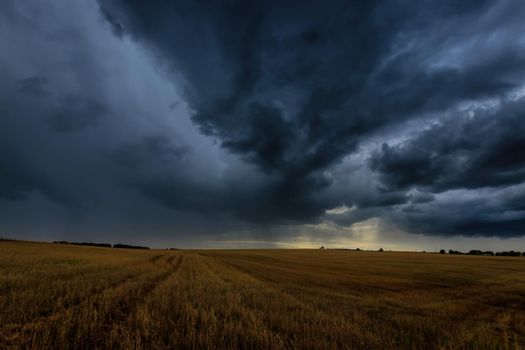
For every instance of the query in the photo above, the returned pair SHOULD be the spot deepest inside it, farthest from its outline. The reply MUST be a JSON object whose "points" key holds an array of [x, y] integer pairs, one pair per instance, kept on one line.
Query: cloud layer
{"points": [[208, 118]]}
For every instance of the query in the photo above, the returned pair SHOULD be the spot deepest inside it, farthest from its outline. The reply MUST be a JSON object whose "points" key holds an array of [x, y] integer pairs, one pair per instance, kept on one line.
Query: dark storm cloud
{"points": [[481, 155], [16, 179], [20, 177], [77, 126], [256, 201], [75, 113], [115, 26], [66, 113], [294, 88], [33, 85], [149, 148], [485, 149], [460, 212]]}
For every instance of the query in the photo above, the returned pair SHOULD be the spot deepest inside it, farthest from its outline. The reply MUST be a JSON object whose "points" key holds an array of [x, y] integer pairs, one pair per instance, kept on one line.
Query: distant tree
{"points": [[488, 253], [442, 251], [475, 252], [322, 247], [357, 249], [127, 246], [103, 245], [381, 249], [508, 253]]}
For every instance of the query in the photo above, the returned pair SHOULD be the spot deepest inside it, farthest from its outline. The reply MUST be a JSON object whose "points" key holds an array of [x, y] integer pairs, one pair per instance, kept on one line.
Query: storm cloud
{"points": [[265, 118]]}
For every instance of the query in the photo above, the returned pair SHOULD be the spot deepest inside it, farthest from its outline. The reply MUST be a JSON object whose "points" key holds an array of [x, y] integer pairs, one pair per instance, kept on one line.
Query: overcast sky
{"points": [[394, 124]]}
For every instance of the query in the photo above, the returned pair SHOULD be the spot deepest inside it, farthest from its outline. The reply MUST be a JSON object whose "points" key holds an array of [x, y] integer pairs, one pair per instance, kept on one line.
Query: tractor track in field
{"points": [[122, 313], [9, 331]]}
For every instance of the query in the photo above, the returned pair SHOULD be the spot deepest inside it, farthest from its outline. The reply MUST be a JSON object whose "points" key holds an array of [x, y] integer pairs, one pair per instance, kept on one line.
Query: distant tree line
{"points": [[354, 249], [129, 246], [451, 251], [103, 245], [484, 253]]}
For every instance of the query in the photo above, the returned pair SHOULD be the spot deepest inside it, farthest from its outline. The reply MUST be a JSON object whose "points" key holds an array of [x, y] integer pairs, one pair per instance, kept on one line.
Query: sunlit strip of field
{"points": [[62, 296]]}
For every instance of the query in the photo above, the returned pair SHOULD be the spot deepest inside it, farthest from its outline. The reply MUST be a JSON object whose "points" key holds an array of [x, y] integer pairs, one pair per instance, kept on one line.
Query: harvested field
{"points": [[62, 296]]}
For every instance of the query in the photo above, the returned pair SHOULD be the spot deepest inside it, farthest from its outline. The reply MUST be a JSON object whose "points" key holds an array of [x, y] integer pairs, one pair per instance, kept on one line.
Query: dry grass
{"points": [[57, 296]]}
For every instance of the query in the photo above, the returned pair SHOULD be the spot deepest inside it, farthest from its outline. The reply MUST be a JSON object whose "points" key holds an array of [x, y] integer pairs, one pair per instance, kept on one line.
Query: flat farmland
{"points": [[61, 296]]}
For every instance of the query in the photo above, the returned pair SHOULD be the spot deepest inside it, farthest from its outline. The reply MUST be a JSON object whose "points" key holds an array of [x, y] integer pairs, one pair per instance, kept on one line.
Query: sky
{"points": [[237, 124]]}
